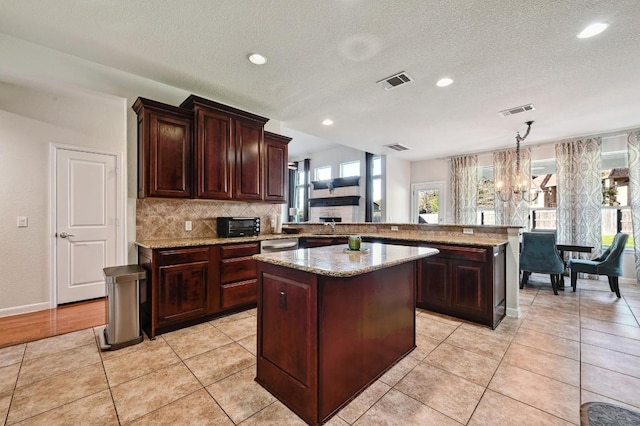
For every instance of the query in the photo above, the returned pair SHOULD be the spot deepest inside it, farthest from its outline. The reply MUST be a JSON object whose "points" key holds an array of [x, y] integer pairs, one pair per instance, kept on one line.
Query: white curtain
{"points": [[464, 189], [511, 212], [579, 177], [633, 152]]}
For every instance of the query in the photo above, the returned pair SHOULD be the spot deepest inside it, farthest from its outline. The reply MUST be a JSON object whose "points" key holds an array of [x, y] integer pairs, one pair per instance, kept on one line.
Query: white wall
{"points": [[48, 97], [429, 171], [25, 175], [397, 196]]}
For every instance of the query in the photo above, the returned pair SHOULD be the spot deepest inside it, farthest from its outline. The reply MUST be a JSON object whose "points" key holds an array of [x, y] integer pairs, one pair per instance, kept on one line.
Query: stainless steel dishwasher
{"points": [[283, 244]]}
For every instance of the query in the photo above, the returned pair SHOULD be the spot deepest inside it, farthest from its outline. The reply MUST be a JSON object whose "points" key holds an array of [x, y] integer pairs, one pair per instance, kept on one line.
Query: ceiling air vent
{"points": [[395, 81], [516, 110], [397, 147]]}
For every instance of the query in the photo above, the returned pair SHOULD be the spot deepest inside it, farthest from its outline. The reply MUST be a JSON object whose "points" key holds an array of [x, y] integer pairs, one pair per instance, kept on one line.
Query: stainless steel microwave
{"points": [[238, 226]]}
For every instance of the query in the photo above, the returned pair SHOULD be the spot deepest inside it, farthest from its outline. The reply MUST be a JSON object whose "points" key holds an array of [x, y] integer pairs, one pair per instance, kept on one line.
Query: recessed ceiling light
{"points": [[258, 59], [444, 82], [593, 29], [327, 122]]}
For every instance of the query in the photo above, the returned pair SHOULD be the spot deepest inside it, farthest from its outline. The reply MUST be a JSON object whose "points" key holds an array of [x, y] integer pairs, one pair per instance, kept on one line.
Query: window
{"points": [[616, 213], [543, 209], [322, 173], [376, 178], [486, 211], [300, 189], [351, 168], [427, 203]]}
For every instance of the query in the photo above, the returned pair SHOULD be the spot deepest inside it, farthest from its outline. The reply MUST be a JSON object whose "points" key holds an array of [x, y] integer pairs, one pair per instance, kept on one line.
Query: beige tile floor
{"points": [[565, 350]]}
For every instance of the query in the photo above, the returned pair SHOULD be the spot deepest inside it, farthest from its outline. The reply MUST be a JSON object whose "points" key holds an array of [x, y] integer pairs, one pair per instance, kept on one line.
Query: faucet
{"points": [[332, 224]]}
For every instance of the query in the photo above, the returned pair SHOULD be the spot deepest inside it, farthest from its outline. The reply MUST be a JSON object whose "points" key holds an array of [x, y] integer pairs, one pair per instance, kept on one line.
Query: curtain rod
{"points": [[539, 144]]}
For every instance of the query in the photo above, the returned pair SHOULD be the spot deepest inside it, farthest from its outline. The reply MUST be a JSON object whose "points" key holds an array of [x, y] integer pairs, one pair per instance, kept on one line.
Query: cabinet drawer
{"points": [[240, 293], [172, 257], [239, 250], [462, 253], [239, 269]]}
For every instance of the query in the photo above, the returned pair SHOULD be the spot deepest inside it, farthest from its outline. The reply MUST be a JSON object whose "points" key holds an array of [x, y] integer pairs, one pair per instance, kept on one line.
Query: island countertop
{"points": [[333, 261]]}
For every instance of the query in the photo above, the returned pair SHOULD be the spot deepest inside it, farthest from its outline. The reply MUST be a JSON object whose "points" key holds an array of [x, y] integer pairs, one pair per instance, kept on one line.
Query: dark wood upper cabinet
{"points": [[229, 150], [164, 150], [214, 154], [204, 149], [276, 176], [248, 164]]}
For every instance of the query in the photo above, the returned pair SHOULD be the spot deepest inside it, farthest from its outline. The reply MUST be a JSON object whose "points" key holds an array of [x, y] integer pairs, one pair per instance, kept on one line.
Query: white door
{"points": [[85, 223], [428, 202]]}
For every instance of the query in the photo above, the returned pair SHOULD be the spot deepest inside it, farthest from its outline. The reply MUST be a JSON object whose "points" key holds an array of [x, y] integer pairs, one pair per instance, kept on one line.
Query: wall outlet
{"points": [[23, 222], [187, 225], [394, 228], [468, 231]]}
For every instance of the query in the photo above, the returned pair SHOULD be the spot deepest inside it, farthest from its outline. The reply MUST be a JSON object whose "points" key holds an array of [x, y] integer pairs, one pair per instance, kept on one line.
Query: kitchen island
{"points": [[331, 322]]}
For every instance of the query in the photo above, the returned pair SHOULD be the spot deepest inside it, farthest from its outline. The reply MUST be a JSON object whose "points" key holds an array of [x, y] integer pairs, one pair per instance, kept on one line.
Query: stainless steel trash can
{"points": [[123, 301]]}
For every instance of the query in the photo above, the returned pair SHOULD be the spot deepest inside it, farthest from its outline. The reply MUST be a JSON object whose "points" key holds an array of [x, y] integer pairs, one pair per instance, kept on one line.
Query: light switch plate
{"points": [[187, 225], [468, 231], [23, 221], [394, 228]]}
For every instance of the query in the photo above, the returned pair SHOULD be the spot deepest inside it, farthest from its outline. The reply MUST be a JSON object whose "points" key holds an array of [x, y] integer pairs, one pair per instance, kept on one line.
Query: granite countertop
{"points": [[333, 261], [458, 239]]}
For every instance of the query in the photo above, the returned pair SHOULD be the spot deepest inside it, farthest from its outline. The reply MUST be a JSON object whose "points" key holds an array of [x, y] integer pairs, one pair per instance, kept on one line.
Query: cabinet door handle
{"points": [[283, 300]]}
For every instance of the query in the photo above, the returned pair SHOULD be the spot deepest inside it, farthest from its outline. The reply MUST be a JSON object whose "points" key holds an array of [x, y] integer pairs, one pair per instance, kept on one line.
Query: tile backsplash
{"points": [[158, 219]]}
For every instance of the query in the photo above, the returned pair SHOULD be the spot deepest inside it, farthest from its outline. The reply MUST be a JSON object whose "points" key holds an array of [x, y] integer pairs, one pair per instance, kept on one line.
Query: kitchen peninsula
{"points": [[191, 280], [330, 322]]}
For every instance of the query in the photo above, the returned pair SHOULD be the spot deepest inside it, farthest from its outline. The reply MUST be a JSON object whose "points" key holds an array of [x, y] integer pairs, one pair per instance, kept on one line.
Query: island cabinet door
{"points": [[288, 337]]}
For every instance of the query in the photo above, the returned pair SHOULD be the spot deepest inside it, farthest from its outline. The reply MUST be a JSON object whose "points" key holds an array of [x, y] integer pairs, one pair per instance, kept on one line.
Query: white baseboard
{"points": [[15, 310], [512, 312]]}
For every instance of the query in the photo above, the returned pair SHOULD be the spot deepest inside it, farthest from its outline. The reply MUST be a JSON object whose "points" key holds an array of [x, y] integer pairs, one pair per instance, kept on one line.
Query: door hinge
{"points": [[117, 171]]}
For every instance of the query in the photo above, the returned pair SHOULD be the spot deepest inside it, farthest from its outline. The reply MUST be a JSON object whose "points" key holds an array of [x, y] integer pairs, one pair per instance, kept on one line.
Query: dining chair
{"points": [[608, 263], [540, 255]]}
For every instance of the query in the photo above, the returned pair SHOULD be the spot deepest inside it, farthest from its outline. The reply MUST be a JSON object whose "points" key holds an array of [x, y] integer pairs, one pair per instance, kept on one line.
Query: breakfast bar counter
{"points": [[330, 322]]}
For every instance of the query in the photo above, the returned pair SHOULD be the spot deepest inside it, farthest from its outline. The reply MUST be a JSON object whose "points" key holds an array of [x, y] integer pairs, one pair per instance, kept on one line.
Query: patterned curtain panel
{"points": [[511, 212], [464, 189], [633, 152], [578, 215]]}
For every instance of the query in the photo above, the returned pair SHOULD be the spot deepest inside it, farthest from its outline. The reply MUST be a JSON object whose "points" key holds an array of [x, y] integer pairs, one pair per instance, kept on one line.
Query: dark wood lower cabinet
{"points": [[190, 285], [465, 282], [237, 274], [182, 291]]}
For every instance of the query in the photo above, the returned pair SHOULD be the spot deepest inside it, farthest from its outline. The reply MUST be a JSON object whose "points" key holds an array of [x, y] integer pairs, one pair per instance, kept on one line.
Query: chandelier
{"points": [[521, 190]]}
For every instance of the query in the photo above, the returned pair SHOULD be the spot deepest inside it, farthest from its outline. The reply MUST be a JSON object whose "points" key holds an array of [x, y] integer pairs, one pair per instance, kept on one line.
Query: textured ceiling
{"points": [[324, 58]]}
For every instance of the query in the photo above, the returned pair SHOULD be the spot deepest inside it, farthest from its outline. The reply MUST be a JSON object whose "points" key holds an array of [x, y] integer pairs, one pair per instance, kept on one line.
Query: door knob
{"points": [[65, 235]]}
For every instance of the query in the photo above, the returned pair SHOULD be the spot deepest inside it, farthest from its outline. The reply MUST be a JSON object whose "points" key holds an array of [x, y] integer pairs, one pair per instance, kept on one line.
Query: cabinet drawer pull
{"points": [[283, 300]]}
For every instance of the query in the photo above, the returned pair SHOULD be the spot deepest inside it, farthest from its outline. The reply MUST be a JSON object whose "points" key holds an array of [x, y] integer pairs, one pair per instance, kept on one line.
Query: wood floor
{"points": [[52, 322]]}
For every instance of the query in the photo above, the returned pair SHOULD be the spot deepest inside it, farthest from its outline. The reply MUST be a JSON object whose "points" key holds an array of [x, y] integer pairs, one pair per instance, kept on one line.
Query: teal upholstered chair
{"points": [[540, 255], [608, 263]]}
